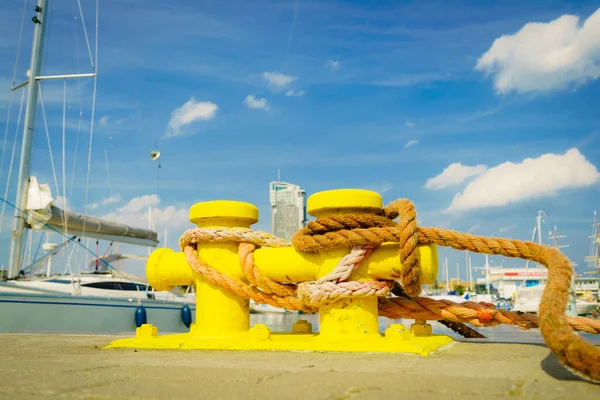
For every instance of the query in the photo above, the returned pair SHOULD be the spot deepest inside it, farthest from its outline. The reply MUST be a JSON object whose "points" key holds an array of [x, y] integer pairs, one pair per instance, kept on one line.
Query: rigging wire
{"points": [[77, 135], [19, 43], [70, 239], [37, 250], [68, 266], [10, 97], [29, 244], [87, 40], [64, 139], [157, 191], [12, 158], [87, 184], [48, 137]]}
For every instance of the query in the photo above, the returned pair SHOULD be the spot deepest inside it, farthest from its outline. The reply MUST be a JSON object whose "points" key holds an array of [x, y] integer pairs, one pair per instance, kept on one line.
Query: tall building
{"points": [[288, 209]]}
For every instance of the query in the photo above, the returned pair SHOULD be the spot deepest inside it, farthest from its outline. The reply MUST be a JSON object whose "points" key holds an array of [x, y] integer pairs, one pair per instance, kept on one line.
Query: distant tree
{"points": [[460, 289]]}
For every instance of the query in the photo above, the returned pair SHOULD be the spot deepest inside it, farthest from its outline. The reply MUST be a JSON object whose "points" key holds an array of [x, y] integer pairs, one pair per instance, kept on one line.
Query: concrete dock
{"points": [[77, 367]]}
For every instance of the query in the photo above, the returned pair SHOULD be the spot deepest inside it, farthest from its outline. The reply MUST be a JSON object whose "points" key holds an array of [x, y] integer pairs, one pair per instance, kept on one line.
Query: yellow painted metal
{"points": [[223, 213], [222, 319], [218, 311], [357, 317], [331, 202], [397, 339], [383, 263], [166, 268]]}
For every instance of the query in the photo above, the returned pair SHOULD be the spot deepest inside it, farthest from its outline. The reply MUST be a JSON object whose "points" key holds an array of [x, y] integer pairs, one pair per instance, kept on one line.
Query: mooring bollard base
{"points": [[396, 339]]}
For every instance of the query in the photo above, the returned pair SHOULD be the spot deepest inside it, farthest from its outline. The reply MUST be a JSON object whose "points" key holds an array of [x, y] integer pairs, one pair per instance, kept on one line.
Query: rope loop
{"points": [[370, 230], [362, 233]]}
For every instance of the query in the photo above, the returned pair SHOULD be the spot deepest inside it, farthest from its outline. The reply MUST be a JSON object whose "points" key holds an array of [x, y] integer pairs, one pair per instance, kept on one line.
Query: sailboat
{"points": [[528, 297], [100, 300]]}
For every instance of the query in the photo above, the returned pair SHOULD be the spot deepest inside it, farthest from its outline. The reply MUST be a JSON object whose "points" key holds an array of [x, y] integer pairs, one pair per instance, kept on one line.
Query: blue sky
{"points": [[337, 94]]}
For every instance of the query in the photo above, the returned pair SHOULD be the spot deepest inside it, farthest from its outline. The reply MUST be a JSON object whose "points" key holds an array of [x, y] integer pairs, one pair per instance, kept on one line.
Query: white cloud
{"points": [[291, 92], [506, 229], [106, 201], [277, 81], [103, 121], [474, 228], [256, 102], [333, 64], [252, 101], [137, 214], [545, 56], [409, 124], [411, 143], [415, 79], [532, 178], [140, 203], [454, 174], [191, 111]]}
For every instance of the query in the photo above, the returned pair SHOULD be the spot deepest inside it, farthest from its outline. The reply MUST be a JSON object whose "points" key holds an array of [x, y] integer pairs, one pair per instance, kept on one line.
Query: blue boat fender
{"points": [[186, 315], [140, 316]]}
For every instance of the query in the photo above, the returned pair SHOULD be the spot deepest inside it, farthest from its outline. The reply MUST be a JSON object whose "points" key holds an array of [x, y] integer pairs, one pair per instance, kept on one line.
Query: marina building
{"points": [[288, 209]]}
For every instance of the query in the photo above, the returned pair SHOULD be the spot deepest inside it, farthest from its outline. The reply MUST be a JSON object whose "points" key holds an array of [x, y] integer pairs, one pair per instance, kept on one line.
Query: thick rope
{"points": [[308, 296], [458, 327], [315, 237], [269, 286], [572, 351], [191, 237], [334, 287], [478, 314]]}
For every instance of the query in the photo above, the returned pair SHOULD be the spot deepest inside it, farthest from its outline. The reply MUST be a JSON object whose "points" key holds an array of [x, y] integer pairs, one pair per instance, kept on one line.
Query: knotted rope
{"points": [[334, 286], [362, 233], [572, 351]]}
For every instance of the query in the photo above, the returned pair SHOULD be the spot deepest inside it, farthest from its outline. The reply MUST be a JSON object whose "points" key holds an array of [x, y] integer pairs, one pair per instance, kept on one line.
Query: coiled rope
{"points": [[362, 232]]}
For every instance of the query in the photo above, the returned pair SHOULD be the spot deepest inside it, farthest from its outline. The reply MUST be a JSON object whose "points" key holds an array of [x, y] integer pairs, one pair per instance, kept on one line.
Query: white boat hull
{"points": [[61, 313]]}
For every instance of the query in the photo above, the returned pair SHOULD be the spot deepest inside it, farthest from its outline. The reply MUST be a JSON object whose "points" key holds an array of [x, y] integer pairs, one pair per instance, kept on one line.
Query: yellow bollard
{"points": [[223, 319], [347, 319], [218, 311], [166, 268]]}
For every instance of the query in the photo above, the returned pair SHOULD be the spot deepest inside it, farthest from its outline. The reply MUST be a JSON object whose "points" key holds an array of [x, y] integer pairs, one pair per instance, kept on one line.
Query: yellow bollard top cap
{"points": [[232, 213], [343, 200]]}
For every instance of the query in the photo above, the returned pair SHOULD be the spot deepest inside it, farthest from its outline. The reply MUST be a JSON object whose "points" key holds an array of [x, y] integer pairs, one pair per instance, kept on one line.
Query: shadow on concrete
{"points": [[552, 367], [549, 364], [496, 341]]}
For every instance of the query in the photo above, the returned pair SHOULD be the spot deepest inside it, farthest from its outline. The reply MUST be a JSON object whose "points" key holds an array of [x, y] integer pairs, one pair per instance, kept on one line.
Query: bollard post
{"points": [[347, 319], [219, 312]]}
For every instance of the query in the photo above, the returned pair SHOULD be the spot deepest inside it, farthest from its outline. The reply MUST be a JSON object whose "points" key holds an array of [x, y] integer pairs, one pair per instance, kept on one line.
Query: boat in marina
{"points": [[98, 298], [525, 285]]}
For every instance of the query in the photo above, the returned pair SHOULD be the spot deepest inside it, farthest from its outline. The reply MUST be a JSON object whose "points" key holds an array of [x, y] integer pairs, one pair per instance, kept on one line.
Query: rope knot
{"points": [[370, 230], [334, 285]]}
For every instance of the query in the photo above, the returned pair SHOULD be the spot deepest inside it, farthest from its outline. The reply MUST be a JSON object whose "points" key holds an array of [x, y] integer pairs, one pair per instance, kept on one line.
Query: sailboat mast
{"points": [[39, 21]]}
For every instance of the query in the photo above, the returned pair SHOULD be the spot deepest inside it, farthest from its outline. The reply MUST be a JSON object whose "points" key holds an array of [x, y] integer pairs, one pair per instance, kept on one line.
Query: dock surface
{"points": [[77, 367]]}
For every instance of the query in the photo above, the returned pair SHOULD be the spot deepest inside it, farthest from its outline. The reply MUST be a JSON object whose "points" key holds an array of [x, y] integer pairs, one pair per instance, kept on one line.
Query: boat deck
{"points": [[77, 367]]}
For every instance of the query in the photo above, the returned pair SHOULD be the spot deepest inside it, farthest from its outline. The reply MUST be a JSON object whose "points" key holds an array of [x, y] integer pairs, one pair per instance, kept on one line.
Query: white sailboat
{"points": [[100, 300], [528, 298]]}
